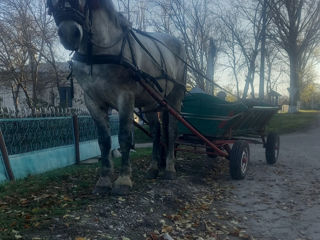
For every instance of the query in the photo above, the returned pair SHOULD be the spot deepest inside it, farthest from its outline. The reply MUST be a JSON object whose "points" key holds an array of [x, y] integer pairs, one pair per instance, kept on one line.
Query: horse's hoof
{"points": [[152, 174], [121, 190], [103, 186], [169, 175], [101, 190], [122, 186]]}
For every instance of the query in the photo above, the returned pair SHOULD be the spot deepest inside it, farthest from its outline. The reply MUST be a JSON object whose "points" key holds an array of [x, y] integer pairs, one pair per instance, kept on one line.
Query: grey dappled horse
{"points": [[110, 59]]}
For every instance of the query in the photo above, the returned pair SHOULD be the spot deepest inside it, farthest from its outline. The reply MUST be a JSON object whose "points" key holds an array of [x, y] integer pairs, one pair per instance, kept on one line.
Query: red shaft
{"points": [[178, 116]]}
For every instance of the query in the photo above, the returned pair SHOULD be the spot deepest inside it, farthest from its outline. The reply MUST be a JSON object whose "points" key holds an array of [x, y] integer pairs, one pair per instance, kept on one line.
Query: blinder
{"points": [[66, 10]]}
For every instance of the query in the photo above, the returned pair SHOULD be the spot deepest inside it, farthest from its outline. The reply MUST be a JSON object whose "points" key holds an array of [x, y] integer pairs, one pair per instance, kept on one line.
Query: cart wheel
{"points": [[239, 159], [210, 153], [272, 148]]}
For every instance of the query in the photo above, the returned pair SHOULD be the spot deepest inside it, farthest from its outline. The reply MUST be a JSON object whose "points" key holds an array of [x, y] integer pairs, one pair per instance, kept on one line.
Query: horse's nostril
{"points": [[76, 33]]}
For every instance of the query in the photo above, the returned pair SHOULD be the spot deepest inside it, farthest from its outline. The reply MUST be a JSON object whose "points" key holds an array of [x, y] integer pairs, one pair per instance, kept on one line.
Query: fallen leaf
{"points": [[166, 229], [67, 199], [37, 224], [113, 214]]}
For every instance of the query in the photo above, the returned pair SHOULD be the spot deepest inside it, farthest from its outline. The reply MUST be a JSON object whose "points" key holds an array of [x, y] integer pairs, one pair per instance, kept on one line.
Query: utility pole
{"points": [[210, 66], [263, 49]]}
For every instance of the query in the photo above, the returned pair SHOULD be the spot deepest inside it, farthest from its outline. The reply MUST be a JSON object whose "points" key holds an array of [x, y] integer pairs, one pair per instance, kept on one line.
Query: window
{"points": [[65, 97]]}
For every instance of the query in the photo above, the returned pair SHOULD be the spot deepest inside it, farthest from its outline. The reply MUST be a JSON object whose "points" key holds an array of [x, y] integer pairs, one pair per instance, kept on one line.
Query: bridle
{"points": [[66, 10], [71, 10]]}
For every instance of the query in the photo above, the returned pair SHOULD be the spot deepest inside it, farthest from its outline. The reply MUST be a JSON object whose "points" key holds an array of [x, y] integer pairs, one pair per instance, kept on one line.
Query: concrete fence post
{"points": [[5, 157], [76, 135]]}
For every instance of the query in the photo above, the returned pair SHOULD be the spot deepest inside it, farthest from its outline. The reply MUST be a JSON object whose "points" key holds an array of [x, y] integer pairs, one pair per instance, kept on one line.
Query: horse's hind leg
{"points": [[153, 120], [175, 99], [101, 119], [123, 184]]}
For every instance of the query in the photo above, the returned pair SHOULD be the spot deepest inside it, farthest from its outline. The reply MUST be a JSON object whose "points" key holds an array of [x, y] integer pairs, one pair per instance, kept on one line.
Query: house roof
{"points": [[274, 93]]}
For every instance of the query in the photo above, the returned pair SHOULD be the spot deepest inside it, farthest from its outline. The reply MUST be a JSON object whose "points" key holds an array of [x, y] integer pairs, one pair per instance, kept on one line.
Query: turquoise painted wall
{"points": [[91, 149], [45, 160], [41, 161], [27, 161]]}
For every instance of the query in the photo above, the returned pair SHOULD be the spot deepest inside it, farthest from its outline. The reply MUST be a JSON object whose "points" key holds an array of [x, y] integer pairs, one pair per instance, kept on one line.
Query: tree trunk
{"points": [[15, 97], [269, 88], [237, 81], [294, 83], [246, 87], [250, 79]]}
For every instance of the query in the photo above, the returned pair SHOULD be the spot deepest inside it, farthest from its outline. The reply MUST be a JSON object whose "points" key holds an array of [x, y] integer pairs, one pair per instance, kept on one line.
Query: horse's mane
{"points": [[114, 16]]}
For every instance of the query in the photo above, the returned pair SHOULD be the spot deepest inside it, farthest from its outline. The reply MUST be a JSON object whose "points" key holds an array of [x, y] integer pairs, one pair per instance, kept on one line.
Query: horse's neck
{"points": [[104, 34]]}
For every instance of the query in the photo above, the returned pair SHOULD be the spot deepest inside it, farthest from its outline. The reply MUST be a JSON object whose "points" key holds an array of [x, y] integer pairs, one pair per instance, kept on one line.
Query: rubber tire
{"points": [[236, 154], [273, 141]]}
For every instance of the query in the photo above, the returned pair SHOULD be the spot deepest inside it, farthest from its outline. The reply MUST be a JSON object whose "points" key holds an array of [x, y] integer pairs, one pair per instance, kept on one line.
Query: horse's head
{"points": [[74, 19], [70, 17]]}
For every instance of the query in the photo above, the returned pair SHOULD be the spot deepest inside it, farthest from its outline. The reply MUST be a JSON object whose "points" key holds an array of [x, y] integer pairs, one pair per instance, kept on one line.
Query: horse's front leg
{"points": [[123, 184], [101, 119]]}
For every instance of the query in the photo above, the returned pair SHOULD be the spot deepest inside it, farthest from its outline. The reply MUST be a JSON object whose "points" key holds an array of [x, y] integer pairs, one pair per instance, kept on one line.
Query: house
{"points": [[53, 88], [273, 97]]}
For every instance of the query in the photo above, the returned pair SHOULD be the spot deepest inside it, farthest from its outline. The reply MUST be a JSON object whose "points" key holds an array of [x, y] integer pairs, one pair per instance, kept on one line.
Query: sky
{"points": [[223, 76]]}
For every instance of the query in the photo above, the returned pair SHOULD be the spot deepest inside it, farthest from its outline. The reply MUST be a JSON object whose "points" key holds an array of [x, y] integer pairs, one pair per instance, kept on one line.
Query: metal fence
{"points": [[31, 134], [41, 112]]}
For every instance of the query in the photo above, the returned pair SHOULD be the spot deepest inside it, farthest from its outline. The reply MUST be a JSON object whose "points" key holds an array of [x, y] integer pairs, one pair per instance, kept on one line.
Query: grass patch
{"points": [[291, 122], [32, 203], [140, 136]]}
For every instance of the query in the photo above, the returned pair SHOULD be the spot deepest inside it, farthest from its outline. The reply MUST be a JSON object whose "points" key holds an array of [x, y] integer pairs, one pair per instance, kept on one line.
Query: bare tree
{"points": [[244, 24], [26, 34], [234, 60], [193, 23], [135, 12], [296, 30]]}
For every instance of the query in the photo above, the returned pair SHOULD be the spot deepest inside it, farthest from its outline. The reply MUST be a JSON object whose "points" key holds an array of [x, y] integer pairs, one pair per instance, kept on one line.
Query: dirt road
{"points": [[274, 202], [282, 201]]}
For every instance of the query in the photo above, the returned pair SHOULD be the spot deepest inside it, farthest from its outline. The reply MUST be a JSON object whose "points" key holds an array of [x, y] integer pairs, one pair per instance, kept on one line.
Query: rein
{"points": [[119, 59], [122, 61]]}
